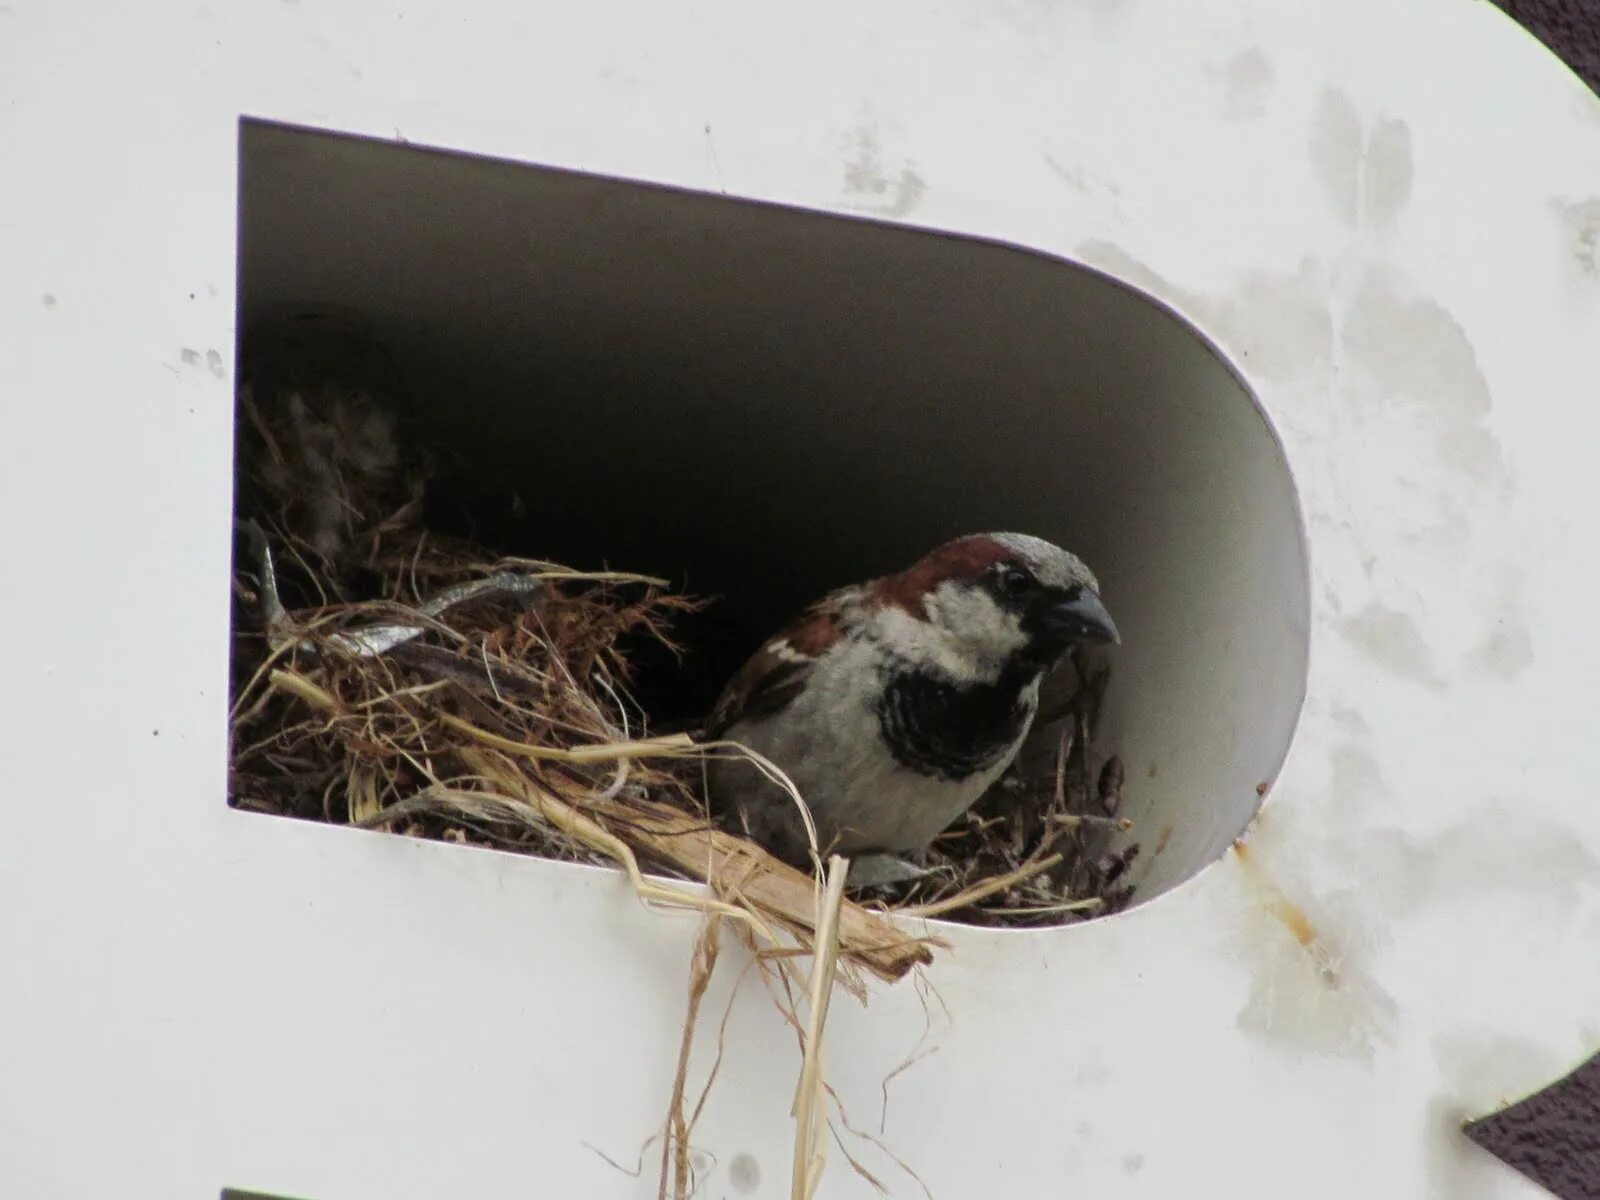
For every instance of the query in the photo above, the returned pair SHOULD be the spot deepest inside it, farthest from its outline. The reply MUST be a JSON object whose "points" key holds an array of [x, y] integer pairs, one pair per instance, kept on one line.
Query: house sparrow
{"points": [[894, 704]]}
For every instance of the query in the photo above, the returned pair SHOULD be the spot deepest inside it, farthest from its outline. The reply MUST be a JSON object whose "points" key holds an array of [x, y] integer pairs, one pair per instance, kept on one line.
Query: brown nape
{"points": [[964, 558]]}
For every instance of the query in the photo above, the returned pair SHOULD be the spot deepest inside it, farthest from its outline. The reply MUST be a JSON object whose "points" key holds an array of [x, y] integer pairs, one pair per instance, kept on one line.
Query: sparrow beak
{"points": [[1082, 619]]}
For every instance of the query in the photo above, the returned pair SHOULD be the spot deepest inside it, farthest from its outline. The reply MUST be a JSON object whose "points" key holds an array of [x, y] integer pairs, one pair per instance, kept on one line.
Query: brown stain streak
{"points": [[1288, 914], [1161, 842]]}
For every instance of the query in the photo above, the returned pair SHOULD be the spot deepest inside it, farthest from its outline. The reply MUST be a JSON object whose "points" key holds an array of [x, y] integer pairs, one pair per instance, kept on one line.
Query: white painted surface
{"points": [[1401, 255]]}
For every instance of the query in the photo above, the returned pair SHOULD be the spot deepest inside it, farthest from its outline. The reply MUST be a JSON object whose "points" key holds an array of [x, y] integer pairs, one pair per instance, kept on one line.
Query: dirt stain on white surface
{"points": [[1580, 229], [744, 1173], [1335, 147], [211, 360], [1047, 23], [1387, 171], [1505, 651], [1277, 324], [1393, 640], [1308, 991], [1356, 778], [1365, 168], [891, 192], [1497, 850], [1247, 80], [1422, 365]]}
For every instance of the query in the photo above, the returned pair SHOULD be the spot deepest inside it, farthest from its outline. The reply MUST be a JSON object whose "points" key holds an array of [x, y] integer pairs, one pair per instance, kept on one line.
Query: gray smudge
{"points": [[1278, 325], [1419, 356], [1336, 152], [1247, 82], [1365, 175], [744, 1173], [1488, 854], [1386, 172], [1393, 641], [1580, 225], [864, 176], [1505, 651]]}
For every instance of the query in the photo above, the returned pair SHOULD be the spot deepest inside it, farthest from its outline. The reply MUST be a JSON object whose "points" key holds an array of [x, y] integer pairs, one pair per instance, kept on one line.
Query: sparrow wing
{"points": [[775, 674]]}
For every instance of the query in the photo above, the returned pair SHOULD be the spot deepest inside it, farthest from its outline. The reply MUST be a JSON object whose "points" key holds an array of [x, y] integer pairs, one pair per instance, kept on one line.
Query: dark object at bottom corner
{"points": [[1552, 1136]]}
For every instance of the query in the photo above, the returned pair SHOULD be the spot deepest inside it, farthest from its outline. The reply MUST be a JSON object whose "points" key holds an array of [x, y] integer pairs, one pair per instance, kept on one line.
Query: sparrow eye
{"points": [[1014, 581]]}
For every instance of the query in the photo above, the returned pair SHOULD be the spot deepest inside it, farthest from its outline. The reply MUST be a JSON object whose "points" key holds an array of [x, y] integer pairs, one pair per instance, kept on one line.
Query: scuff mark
{"points": [[864, 175], [214, 363], [1580, 225], [714, 160], [1246, 83], [1278, 324], [1088, 184], [1386, 173], [744, 1173], [47, 300], [1162, 839], [1411, 379], [1366, 174], [1491, 852], [1364, 366], [1335, 148], [1505, 652], [189, 358], [1393, 640], [1421, 358]]}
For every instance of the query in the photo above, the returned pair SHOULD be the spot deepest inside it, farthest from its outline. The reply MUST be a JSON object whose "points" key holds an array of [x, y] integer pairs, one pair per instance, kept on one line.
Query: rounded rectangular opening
{"points": [[793, 401]]}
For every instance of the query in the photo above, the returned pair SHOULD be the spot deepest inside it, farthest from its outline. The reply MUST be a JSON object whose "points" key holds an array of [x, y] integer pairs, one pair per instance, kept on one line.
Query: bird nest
{"points": [[391, 677]]}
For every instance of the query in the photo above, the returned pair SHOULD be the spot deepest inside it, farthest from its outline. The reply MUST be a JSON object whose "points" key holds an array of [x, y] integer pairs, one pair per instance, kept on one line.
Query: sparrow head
{"points": [[1000, 600]]}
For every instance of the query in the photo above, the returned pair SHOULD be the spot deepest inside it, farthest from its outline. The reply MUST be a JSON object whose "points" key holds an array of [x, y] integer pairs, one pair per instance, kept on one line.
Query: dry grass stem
{"points": [[981, 891], [675, 1145], [809, 1108]]}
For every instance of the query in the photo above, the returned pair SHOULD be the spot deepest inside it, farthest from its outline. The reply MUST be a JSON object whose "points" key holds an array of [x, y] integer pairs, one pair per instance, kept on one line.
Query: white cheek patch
{"points": [[966, 636]]}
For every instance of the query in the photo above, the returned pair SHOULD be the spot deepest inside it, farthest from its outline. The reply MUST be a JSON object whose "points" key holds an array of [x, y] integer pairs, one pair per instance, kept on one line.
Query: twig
{"points": [[980, 891], [675, 1146], [808, 1109]]}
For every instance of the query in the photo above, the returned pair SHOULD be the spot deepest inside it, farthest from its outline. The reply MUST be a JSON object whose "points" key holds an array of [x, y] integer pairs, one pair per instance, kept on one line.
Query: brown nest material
{"points": [[387, 677]]}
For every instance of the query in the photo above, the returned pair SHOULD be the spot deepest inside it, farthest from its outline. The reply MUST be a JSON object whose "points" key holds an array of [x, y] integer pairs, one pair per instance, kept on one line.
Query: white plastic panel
{"points": [[1398, 257]]}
